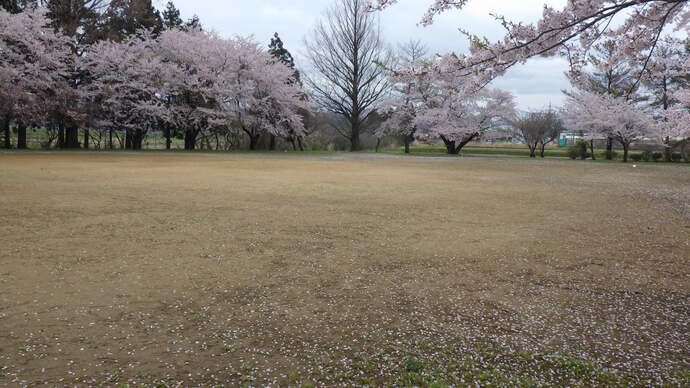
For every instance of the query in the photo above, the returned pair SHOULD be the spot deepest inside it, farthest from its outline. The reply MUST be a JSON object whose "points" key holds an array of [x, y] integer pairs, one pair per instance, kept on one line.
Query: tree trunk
{"points": [[533, 150], [465, 142], [86, 138], [6, 129], [409, 139], [72, 136], [168, 137], [543, 150], [110, 139], [190, 140], [128, 139], [450, 146], [591, 146], [609, 148], [21, 136], [138, 139], [668, 150], [355, 141], [626, 148], [254, 142], [61, 135], [300, 143], [272, 143], [378, 144]]}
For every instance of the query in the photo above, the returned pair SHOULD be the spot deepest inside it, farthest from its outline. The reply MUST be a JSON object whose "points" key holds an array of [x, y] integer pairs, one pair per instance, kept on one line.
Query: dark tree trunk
{"points": [[626, 149], [21, 136], [71, 136], [138, 139], [542, 151], [272, 143], [609, 148], [61, 135], [300, 143], [408, 142], [87, 138], [591, 146], [450, 146], [454, 149], [190, 139], [378, 144], [110, 139], [6, 129], [668, 150], [128, 139], [533, 150], [355, 141], [168, 137], [254, 142]]}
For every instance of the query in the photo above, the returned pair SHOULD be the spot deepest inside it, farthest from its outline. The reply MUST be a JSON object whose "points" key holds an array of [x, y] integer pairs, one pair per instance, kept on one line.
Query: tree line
{"points": [[117, 70], [123, 69]]}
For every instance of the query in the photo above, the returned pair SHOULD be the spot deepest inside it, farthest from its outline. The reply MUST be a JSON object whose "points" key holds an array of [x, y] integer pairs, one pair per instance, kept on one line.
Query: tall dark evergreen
{"points": [[11, 6], [171, 17], [125, 17], [278, 50]]}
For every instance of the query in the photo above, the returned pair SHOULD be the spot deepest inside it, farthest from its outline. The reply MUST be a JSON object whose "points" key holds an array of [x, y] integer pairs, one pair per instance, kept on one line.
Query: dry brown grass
{"points": [[251, 269]]}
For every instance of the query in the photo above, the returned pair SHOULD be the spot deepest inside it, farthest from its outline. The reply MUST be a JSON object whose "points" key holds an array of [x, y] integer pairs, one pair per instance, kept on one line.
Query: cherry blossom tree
{"points": [[33, 70], [667, 79], [228, 82], [435, 103], [609, 116], [128, 78], [412, 86], [642, 24]]}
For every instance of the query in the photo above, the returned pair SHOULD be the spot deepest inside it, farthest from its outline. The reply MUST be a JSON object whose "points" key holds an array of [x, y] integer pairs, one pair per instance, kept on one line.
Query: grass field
{"points": [[169, 270]]}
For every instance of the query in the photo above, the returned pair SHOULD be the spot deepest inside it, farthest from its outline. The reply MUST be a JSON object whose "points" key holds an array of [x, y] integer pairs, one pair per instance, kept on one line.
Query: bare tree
{"points": [[412, 51], [537, 130], [349, 62]]}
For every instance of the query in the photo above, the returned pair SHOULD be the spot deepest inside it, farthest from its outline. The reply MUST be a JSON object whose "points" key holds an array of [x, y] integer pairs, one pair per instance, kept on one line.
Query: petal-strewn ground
{"points": [[322, 270]]}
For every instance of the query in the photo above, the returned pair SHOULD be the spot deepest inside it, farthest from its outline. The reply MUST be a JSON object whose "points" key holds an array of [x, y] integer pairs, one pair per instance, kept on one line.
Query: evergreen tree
{"points": [[278, 50], [125, 17], [171, 17], [11, 6], [78, 19], [193, 24]]}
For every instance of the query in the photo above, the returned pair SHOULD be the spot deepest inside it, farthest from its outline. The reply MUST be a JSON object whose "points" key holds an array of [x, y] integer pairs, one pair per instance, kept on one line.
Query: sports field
{"points": [[341, 270]]}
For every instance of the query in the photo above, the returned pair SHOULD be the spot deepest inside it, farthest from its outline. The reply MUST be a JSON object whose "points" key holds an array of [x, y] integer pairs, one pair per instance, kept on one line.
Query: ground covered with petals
{"points": [[341, 270]]}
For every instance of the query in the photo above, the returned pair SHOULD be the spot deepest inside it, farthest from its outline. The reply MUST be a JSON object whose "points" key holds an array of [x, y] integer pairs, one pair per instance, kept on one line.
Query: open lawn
{"points": [[336, 269]]}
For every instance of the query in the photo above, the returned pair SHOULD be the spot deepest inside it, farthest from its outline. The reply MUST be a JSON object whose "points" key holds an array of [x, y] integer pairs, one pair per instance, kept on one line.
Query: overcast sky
{"points": [[536, 84]]}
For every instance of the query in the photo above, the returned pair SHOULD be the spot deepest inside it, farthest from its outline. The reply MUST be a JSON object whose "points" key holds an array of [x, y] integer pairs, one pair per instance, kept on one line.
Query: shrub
{"points": [[647, 156], [636, 157], [611, 155], [578, 151], [676, 157], [657, 156]]}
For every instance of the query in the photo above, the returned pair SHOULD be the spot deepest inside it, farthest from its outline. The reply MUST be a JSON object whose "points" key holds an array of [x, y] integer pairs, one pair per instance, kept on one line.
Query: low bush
{"points": [[636, 157], [578, 151], [647, 156], [676, 157], [611, 155], [657, 156]]}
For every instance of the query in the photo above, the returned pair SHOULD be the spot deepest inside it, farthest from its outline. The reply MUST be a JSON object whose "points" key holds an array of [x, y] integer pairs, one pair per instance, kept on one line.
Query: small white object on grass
{"points": [[634, 165]]}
